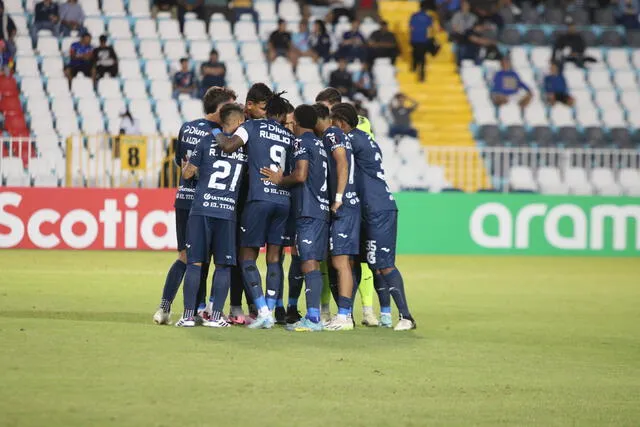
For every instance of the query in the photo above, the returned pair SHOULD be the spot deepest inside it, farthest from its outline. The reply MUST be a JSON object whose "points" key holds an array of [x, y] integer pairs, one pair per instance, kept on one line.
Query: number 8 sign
{"points": [[133, 152]]}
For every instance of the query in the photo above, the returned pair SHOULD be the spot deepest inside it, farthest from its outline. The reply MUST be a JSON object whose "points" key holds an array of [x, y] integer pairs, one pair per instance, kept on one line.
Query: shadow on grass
{"points": [[82, 316]]}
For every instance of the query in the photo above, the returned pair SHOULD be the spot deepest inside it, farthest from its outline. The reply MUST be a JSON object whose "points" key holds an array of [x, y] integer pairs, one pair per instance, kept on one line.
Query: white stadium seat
{"points": [[135, 89], [521, 179], [175, 49], [119, 28], [220, 31], [199, 50], [630, 181], [604, 182], [113, 8], [626, 79], [94, 25], [129, 69], [169, 29], [125, 49], [161, 90], [150, 49], [82, 87], [600, 80], [27, 66], [109, 88], [156, 69], [195, 29], [245, 31], [578, 182], [139, 8], [618, 59], [550, 182]]}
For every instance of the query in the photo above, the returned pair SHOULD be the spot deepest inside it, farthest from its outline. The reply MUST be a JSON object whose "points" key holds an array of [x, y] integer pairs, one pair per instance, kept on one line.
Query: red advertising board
{"points": [[91, 218]]}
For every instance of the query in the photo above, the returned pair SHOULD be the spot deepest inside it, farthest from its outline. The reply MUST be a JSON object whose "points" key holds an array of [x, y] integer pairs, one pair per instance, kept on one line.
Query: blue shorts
{"points": [[381, 230], [263, 222], [312, 238], [345, 235], [182, 216], [206, 236]]}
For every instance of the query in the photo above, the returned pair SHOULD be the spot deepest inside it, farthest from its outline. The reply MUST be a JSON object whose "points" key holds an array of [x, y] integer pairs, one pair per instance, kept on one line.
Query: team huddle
{"points": [[267, 174]]}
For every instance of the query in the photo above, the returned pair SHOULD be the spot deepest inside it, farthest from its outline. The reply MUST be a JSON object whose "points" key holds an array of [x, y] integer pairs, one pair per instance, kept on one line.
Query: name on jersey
{"points": [[214, 151], [274, 133]]}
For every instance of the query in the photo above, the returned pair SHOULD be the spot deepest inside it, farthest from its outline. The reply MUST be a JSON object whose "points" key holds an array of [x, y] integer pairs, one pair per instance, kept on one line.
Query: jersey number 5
{"points": [[222, 171]]}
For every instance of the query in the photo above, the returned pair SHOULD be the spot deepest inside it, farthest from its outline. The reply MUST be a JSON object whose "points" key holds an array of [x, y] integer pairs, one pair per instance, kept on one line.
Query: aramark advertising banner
{"points": [[453, 223]]}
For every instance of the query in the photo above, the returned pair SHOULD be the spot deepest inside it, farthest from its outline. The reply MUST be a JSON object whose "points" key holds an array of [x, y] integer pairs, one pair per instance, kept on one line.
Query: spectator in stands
{"points": [[556, 87], [342, 8], [184, 6], [446, 9], [128, 125], [241, 7], [401, 107], [218, 6], [81, 54], [573, 41], [105, 60], [320, 41], [71, 17], [5, 59], [353, 45], [420, 25], [280, 42], [364, 83], [341, 79], [462, 22], [507, 83], [7, 31], [472, 42], [213, 73], [627, 13], [300, 41], [383, 44], [164, 5], [184, 80], [46, 17]]}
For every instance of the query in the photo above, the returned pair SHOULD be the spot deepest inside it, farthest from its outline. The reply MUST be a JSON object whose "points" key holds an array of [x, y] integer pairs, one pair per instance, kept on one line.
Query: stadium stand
{"points": [[464, 141]]}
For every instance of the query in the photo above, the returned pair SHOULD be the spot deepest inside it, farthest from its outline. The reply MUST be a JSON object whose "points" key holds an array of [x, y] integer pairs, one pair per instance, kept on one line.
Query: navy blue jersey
{"points": [[311, 197], [188, 137], [221, 174], [333, 139], [373, 191], [268, 144]]}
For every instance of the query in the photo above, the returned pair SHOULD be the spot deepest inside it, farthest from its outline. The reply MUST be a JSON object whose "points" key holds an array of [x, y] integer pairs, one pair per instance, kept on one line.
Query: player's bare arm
{"points": [[189, 171], [342, 171], [298, 176], [229, 144]]}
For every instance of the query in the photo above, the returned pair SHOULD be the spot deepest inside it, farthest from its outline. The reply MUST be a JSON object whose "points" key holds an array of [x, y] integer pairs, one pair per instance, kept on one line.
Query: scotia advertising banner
{"points": [[78, 218]]}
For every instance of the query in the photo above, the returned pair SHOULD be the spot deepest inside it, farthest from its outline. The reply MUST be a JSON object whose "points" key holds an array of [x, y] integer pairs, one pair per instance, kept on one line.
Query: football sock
{"points": [[190, 289], [366, 286], [325, 297], [344, 305], [396, 289], [274, 277], [313, 281], [295, 280], [202, 289], [251, 276], [383, 293], [236, 288], [221, 283], [280, 298], [171, 284]]}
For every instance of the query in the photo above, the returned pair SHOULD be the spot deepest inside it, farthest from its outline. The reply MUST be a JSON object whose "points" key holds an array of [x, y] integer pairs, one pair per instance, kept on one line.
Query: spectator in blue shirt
{"points": [[420, 25], [46, 17], [81, 54], [300, 40], [184, 81], [555, 87], [627, 13], [213, 73], [320, 41], [353, 45], [507, 83]]}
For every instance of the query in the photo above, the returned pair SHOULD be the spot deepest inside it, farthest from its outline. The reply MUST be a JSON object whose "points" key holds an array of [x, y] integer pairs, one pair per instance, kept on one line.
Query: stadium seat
{"points": [[626, 80], [194, 29], [109, 88], [191, 109], [129, 69], [156, 69], [94, 25], [521, 179], [245, 31], [90, 7], [175, 50], [161, 90], [113, 8], [289, 10], [125, 49], [27, 66], [600, 80], [199, 50], [119, 28], [604, 182], [629, 179], [169, 29], [228, 51], [23, 46], [138, 8], [112, 107], [220, 31], [579, 184], [135, 89], [82, 87], [150, 49], [47, 46], [618, 59]]}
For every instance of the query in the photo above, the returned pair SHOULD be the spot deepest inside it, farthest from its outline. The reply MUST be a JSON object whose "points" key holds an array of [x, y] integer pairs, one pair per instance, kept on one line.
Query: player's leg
{"points": [[236, 313], [280, 312], [224, 255], [275, 275], [326, 295], [176, 272], [366, 289], [198, 243], [201, 298], [276, 238], [384, 297], [311, 254], [295, 277]]}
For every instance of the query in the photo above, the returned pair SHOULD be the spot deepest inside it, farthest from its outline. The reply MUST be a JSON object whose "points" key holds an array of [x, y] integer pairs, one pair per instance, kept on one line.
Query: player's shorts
{"points": [[344, 237], [263, 222], [312, 238], [207, 235], [182, 216], [380, 244]]}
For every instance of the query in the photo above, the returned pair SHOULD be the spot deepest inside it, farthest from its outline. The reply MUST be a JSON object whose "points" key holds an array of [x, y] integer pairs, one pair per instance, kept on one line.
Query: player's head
{"points": [[329, 97], [231, 117], [278, 107], [344, 116], [214, 99], [289, 121], [324, 117], [256, 102], [306, 119]]}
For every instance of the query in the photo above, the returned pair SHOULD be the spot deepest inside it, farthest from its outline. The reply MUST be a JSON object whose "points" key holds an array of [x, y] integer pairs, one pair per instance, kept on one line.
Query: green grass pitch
{"points": [[500, 341]]}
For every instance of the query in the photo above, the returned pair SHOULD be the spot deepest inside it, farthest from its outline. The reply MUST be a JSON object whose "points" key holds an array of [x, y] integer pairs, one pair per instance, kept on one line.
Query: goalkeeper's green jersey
{"points": [[365, 126]]}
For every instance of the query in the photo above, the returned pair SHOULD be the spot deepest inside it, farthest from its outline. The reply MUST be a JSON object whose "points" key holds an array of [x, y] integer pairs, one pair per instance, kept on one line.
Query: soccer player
{"points": [[344, 237], [188, 137], [330, 97], [255, 108], [380, 215], [310, 196], [267, 209], [211, 228]]}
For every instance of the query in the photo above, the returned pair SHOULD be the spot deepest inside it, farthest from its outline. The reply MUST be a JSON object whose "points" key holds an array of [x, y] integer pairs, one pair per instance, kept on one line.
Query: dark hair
{"points": [[103, 38], [215, 96], [321, 24], [281, 21], [228, 110], [306, 116], [290, 108], [213, 51], [345, 112], [277, 105], [259, 92], [321, 110], [330, 95], [184, 59]]}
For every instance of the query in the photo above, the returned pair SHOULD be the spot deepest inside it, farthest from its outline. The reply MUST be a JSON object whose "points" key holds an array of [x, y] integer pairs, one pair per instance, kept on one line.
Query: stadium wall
{"points": [[449, 223]]}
